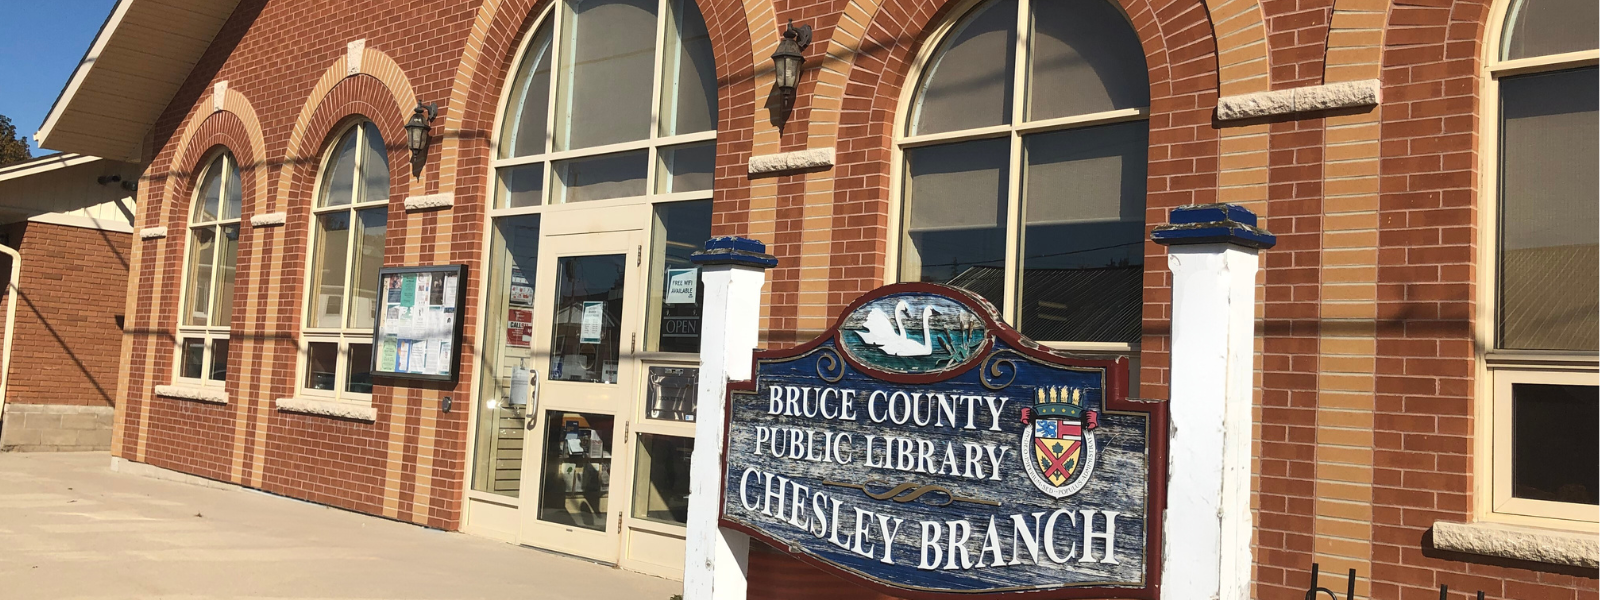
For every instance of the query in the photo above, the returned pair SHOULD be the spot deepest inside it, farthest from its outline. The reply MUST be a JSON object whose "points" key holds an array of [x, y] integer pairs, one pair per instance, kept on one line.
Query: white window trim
{"points": [[342, 336], [1497, 369], [653, 144], [210, 332], [1015, 130]]}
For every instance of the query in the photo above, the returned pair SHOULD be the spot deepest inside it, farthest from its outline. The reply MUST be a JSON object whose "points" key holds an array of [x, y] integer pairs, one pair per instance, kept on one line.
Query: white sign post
{"points": [[1212, 251], [733, 269]]}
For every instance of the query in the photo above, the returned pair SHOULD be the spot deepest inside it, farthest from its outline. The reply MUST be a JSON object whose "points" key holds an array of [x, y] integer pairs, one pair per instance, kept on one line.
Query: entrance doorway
{"points": [[585, 409]]}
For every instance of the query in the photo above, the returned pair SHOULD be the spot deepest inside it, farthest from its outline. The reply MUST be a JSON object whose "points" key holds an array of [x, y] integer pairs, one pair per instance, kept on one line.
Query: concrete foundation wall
{"points": [[55, 428]]}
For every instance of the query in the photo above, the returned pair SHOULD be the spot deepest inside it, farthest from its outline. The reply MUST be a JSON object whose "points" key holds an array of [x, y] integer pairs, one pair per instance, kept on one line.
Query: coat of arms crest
{"points": [[1059, 436]]}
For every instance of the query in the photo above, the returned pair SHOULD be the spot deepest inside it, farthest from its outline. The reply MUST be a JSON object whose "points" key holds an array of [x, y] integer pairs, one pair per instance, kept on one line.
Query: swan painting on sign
{"points": [[885, 333]]}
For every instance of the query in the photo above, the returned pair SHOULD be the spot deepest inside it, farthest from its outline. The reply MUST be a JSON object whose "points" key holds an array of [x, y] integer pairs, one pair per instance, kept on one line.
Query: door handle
{"points": [[532, 410]]}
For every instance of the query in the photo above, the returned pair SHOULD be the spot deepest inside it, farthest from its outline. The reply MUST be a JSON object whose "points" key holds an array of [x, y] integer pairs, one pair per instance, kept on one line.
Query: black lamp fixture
{"points": [[417, 132], [786, 63]]}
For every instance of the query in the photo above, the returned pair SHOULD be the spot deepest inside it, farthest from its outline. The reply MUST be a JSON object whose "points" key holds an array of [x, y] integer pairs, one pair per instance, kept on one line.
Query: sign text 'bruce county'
{"points": [[922, 447]]}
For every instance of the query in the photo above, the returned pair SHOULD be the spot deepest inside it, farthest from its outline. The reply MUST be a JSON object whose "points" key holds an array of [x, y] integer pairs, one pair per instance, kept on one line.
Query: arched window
{"points": [[1539, 316], [633, 100], [349, 219], [209, 271], [1026, 184]]}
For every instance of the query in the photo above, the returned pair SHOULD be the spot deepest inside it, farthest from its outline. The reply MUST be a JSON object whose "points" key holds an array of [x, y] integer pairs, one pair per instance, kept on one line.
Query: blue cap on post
{"points": [[731, 250], [1213, 224]]}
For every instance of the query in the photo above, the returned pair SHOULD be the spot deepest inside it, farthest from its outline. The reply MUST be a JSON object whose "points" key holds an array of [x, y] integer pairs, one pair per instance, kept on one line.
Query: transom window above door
{"points": [[1024, 153], [610, 99]]}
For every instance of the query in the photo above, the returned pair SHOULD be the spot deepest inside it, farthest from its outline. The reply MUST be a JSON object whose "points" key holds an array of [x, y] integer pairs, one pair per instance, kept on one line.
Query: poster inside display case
{"points": [[418, 331]]}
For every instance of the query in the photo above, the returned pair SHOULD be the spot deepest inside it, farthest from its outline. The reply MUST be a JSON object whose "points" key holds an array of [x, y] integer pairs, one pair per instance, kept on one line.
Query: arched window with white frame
{"points": [[209, 272], [1023, 163], [349, 219], [1539, 316], [611, 99]]}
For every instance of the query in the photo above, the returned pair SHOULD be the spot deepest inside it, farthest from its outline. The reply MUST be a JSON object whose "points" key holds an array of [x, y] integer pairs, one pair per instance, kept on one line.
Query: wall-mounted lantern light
{"points": [[786, 63], [417, 133]]}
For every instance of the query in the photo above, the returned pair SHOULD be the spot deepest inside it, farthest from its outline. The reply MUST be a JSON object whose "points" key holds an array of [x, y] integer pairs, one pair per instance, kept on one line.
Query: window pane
{"points": [[686, 168], [528, 113], [670, 393], [689, 77], [210, 193], [322, 361], [1554, 436], [338, 181], [956, 216], [368, 259], [608, 54], [202, 252], [1549, 218], [676, 292], [969, 83], [585, 340], [521, 186], [327, 269], [661, 479], [227, 265], [577, 469], [1545, 27], [359, 377], [602, 177], [231, 191], [374, 166], [506, 384], [194, 357], [1083, 234], [219, 360], [1085, 59]]}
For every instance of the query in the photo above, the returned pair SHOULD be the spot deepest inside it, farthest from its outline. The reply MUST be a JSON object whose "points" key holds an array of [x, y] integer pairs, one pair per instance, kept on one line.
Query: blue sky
{"points": [[40, 44]]}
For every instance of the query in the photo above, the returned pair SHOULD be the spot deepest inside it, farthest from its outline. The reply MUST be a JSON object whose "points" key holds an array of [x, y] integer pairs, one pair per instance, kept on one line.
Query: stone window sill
{"points": [[329, 408], [195, 393], [1550, 546]]}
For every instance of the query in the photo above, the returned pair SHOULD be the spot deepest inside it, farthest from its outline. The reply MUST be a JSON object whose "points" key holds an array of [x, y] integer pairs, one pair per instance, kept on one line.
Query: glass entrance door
{"points": [[584, 338], [584, 422]]}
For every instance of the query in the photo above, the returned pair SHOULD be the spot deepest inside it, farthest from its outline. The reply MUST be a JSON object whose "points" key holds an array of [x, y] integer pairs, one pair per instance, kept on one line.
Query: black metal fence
{"points": [[1312, 590]]}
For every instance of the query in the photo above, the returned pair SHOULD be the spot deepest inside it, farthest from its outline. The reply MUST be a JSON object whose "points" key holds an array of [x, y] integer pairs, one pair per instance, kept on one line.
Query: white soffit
{"points": [[142, 55]]}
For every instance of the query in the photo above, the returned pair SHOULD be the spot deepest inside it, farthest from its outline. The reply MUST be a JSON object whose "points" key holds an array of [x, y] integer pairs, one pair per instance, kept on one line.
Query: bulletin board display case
{"points": [[417, 334]]}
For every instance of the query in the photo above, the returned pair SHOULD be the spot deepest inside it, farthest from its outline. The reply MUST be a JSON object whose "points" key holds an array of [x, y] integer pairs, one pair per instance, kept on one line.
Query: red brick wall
{"points": [[71, 299], [1426, 290]]}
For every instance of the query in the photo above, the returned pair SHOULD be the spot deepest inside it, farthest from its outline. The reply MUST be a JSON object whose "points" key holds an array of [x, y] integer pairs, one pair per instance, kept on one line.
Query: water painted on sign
{"points": [[918, 469]]}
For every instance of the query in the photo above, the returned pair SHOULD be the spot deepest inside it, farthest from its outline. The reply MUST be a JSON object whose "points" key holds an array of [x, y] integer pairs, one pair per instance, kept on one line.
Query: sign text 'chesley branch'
{"points": [[958, 457]]}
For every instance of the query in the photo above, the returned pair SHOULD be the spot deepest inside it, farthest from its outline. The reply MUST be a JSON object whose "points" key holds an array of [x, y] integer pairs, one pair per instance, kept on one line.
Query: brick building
{"points": [[70, 220], [1427, 332]]}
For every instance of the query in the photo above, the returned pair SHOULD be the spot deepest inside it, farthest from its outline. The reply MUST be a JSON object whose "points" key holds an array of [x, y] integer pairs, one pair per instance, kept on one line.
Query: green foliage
{"points": [[12, 148]]}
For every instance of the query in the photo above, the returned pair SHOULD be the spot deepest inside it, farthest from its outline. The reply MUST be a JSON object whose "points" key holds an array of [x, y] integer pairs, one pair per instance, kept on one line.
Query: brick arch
{"points": [[246, 140], [1181, 57], [1242, 65], [219, 131], [498, 30], [355, 97], [393, 91]]}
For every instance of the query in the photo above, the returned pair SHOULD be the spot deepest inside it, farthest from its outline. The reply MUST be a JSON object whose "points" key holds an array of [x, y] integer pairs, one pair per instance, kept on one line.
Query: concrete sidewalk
{"points": [[71, 528]]}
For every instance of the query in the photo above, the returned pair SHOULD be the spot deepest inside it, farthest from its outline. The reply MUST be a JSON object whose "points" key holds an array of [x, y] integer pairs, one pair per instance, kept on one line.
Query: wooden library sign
{"points": [[923, 448]]}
